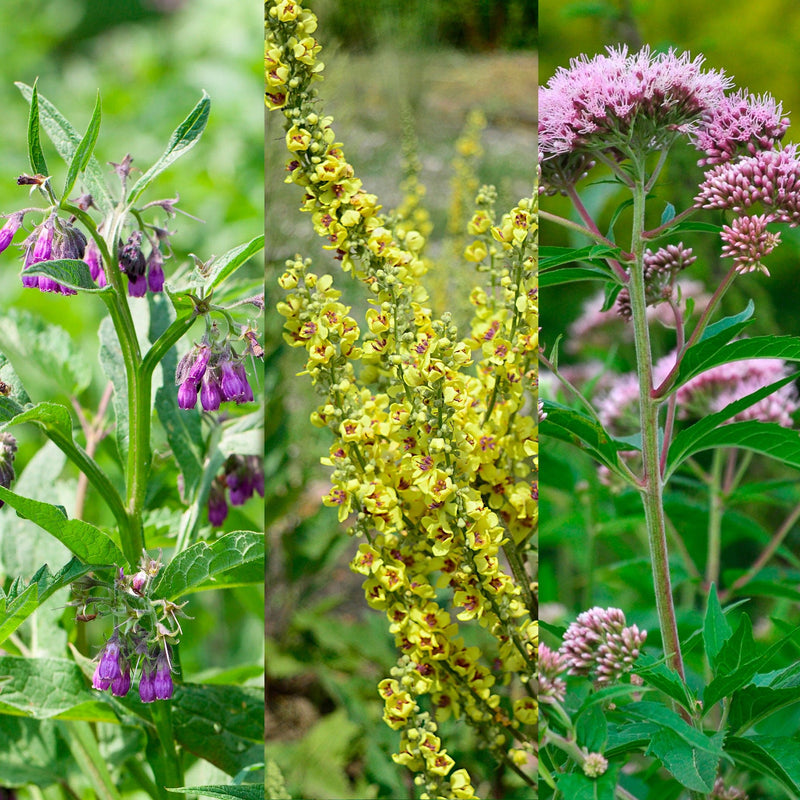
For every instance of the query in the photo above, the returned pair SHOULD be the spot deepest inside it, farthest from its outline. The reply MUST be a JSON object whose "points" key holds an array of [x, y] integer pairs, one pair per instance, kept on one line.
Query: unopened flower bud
{"points": [[8, 450], [155, 270], [147, 688], [210, 392], [8, 230], [131, 258], [137, 286], [187, 395]]}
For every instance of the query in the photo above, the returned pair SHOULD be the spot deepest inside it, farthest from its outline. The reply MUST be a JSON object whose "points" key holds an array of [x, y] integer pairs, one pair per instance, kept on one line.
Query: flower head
{"points": [[770, 177], [746, 240], [622, 102], [739, 124], [599, 643], [552, 664]]}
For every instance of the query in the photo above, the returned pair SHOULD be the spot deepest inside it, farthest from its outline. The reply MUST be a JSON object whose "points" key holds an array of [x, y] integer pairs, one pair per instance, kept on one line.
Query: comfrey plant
{"points": [[693, 727], [434, 436], [106, 245]]}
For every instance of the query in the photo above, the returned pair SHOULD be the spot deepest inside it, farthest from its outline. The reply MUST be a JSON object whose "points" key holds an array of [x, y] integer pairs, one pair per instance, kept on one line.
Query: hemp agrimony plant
{"points": [[433, 436], [119, 712], [696, 705]]}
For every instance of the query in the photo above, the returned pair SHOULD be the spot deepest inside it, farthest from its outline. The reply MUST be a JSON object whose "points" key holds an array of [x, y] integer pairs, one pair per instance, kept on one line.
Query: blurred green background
{"points": [[150, 59], [326, 650]]}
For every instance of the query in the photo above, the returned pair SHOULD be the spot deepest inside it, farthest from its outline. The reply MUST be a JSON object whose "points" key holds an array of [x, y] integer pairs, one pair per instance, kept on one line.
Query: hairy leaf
{"points": [[83, 152], [716, 630], [183, 138], [198, 566]]}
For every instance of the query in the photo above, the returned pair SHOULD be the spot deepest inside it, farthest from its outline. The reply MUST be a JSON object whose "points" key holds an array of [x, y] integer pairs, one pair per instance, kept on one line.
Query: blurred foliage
{"points": [[472, 25]]}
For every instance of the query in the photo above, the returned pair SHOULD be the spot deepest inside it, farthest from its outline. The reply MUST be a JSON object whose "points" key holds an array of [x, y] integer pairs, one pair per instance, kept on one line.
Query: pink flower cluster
{"points": [[740, 124], [599, 643], [713, 390], [620, 100]]}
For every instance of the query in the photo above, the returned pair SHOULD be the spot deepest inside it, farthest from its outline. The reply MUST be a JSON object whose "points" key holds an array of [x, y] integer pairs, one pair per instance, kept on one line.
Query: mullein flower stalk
{"points": [[433, 459]]}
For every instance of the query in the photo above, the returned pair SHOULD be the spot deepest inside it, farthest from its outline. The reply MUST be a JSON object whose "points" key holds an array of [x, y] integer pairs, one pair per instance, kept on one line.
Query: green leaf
{"points": [[667, 719], [180, 425], [183, 138], [88, 543], [550, 257], [716, 630], [35, 153], [43, 687], [71, 272], [577, 786], [751, 704], [738, 661], [21, 602], [777, 757], [657, 674], [694, 768], [32, 753], [708, 354], [592, 729], [83, 152], [221, 268], [767, 438], [66, 140], [39, 350], [615, 216], [581, 430], [558, 277], [113, 363], [242, 791], [198, 566], [222, 724], [16, 398]]}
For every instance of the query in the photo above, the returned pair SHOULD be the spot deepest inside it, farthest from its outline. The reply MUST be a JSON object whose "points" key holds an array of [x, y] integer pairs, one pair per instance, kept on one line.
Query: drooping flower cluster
{"points": [[144, 631], [8, 450], [52, 239], [143, 273], [120, 658], [215, 371], [599, 644], [241, 477]]}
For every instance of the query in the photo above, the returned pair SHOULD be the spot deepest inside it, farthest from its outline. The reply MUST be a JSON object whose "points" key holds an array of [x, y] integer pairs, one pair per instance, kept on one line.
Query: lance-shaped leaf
{"points": [[220, 268], [777, 757], [716, 630], [83, 152], [55, 421], [66, 140], [241, 791], [557, 277], [183, 138], [35, 153], [70, 272], [786, 348], [765, 437], [550, 257], [89, 544], [20, 602], [198, 566], [14, 397], [581, 430]]}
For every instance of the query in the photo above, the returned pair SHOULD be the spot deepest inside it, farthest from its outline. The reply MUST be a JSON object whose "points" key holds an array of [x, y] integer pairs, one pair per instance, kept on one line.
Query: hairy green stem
{"points": [[714, 519], [652, 489]]}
